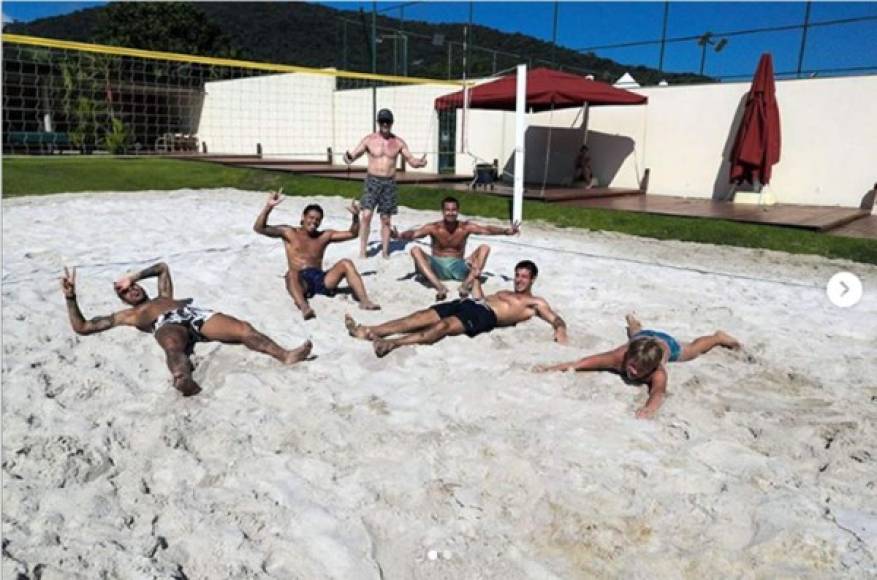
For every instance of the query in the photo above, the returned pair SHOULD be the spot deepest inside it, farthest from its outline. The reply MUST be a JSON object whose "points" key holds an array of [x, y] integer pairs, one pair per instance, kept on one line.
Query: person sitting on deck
{"points": [[583, 170]]}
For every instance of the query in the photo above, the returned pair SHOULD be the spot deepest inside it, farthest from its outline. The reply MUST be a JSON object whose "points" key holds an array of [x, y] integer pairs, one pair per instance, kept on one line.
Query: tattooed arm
{"points": [[77, 321]]}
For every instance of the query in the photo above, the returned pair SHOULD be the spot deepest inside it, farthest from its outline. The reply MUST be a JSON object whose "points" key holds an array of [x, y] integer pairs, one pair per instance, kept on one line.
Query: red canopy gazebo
{"points": [[546, 89]]}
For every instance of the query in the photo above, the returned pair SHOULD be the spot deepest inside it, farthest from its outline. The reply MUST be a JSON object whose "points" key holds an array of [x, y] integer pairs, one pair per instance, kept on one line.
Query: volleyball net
{"points": [[61, 97]]}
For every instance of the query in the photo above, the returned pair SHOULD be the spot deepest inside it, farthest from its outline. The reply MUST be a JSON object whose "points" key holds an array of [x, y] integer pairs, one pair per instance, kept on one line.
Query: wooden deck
{"points": [[322, 169], [557, 194], [865, 227], [839, 221], [418, 178], [815, 218], [229, 159]]}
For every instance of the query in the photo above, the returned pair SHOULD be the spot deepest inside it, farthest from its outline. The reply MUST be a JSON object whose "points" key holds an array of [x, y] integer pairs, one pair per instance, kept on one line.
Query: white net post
{"points": [[520, 129]]}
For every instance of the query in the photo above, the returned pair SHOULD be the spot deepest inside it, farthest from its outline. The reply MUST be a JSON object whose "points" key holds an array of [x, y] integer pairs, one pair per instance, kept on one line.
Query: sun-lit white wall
{"points": [[829, 149], [289, 114], [415, 119], [683, 135], [301, 115]]}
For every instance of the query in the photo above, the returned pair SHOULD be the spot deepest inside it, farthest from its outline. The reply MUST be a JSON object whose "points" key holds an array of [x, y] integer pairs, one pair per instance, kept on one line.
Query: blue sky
{"points": [[588, 24]]}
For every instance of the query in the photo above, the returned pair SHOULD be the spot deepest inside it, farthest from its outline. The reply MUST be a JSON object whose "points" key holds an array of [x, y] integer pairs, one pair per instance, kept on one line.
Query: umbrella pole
{"points": [[586, 111]]}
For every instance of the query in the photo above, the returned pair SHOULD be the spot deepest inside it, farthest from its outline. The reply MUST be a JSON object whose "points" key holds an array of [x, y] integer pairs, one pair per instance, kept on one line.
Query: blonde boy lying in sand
{"points": [[644, 359], [176, 323]]}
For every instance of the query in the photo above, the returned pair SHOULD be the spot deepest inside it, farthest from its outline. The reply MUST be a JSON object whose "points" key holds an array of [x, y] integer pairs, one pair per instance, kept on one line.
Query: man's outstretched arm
{"points": [[483, 230], [596, 362], [351, 156], [351, 233], [544, 311], [411, 159], [77, 321], [261, 226], [161, 270], [412, 234]]}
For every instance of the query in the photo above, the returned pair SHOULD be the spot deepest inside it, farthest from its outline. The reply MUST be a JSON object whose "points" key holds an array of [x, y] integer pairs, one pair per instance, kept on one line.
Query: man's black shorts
{"points": [[477, 317]]}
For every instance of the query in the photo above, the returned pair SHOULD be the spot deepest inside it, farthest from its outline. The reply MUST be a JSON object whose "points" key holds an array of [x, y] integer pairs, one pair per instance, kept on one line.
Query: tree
{"points": [[164, 26]]}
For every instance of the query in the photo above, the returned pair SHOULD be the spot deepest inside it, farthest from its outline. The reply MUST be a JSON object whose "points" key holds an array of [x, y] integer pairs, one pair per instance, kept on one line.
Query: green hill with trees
{"points": [[313, 35]]}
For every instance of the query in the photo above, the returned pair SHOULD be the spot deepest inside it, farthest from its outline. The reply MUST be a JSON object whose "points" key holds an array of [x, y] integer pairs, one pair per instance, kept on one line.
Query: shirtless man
{"points": [[305, 247], [176, 324], [471, 316], [380, 184], [449, 247]]}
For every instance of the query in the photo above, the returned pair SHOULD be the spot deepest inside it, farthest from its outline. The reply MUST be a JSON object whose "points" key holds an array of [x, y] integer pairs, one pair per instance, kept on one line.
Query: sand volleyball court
{"points": [[451, 461]]}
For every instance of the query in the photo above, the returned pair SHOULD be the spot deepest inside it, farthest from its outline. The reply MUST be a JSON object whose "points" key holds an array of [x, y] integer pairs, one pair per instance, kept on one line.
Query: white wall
{"points": [[829, 149], [491, 135], [683, 135], [415, 120], [289, 114], [552, 142], [300, 115]]}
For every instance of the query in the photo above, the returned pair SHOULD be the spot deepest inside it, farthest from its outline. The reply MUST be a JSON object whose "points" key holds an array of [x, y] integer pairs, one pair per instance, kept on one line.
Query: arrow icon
{"points": [[844, 289]]}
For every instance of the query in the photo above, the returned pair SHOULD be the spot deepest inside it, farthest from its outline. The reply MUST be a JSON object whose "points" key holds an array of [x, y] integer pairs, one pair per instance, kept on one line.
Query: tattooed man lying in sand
{"points": [[177, 324]]}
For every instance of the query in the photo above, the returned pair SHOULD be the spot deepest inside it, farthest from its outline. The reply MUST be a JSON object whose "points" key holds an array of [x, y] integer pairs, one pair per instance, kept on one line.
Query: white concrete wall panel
{"points": [[683, 135]]}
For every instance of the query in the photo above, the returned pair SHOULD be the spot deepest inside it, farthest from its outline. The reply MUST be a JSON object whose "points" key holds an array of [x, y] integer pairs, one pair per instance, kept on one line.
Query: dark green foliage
{"points": [[306, 34], [118, 139], [163, 26]]}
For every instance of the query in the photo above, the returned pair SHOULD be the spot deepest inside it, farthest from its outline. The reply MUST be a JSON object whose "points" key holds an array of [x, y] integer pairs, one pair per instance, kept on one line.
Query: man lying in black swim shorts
{"points": [[471, 316], [305, 248]]}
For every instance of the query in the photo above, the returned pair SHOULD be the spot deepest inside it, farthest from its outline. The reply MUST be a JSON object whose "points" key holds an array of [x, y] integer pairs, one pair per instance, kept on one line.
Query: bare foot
{"points": [[299, 354], [368, 305], [646, 413], [187, 386], [357, 330], [726, 339], [308, 313], [633, 325], [382, 347], [465, 289]]}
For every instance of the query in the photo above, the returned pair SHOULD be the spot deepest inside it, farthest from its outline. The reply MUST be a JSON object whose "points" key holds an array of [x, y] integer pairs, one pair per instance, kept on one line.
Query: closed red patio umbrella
{"points": [[757, 145]]}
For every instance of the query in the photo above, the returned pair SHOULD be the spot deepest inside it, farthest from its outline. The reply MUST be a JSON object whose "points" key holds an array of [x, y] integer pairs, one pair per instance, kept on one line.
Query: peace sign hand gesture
{"points": [[68, 283], [275, 198]]}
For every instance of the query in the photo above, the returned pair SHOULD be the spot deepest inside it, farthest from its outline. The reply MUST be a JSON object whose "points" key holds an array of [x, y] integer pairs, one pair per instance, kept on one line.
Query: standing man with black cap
{"points": [[380, 184]]}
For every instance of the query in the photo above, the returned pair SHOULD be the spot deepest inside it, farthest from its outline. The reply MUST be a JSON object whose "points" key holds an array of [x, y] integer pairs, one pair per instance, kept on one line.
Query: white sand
{"points": [[452, 461]]}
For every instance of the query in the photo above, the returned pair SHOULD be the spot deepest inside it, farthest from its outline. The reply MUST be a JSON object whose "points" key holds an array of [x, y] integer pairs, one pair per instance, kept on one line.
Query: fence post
{"points": [[803, 40], [663, 36]]}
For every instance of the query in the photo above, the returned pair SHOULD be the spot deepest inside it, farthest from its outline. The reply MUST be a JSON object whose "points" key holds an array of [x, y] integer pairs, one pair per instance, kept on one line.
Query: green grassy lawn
{"points": [[46, 175]]}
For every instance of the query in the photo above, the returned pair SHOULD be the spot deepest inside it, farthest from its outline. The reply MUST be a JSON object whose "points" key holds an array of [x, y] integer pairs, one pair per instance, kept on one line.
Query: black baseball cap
{"points": [[385, 116]]}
